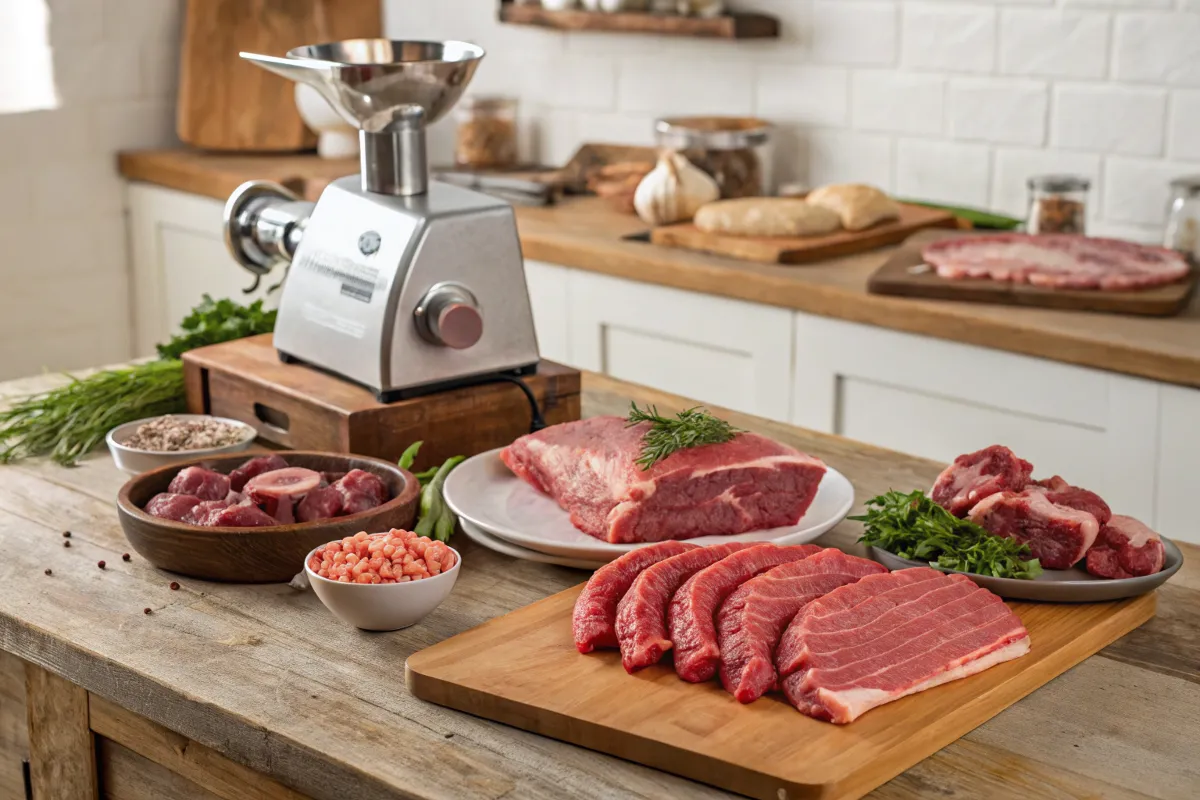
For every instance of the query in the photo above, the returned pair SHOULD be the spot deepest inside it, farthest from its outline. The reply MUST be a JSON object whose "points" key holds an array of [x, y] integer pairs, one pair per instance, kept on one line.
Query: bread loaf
{"points": [[857, 205], [766, 216]]}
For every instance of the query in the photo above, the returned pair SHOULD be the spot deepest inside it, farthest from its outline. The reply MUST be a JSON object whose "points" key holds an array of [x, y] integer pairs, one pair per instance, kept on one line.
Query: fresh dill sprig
{"points": [[666, 435]]}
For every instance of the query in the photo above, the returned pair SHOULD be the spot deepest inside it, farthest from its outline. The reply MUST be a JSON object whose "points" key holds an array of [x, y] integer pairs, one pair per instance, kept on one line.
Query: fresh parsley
{"points": [[666, 435], [216, 321], [913, 526]]}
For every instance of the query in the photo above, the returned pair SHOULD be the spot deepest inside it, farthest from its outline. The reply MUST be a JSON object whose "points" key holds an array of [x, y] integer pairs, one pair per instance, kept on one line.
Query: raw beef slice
{"points": [[167, 505], [595, 617], [690, 617], [642, 613], [891, 635], [753, 618], [1058, 536], [974, 476], [253, 467], [1060, 492], [200, 482], [749, 483], [1125, 548]]}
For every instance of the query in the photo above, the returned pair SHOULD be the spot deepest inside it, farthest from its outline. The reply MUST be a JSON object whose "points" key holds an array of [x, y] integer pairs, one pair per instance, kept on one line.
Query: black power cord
{"points": [[537, 421]]}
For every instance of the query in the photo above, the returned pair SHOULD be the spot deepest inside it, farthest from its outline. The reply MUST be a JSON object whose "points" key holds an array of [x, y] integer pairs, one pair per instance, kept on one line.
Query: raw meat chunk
{"points": [[753, 618], [974, 476], [588, 467], [595, 617], [1058, 536], [361, 491], [200, 482], [288, 482], [890, 635], [167, 505], [693, 608], [321, 503], [254, 467], [1125, 548], [1060, 492], [642, 613], [201, 513], [241, 517]]}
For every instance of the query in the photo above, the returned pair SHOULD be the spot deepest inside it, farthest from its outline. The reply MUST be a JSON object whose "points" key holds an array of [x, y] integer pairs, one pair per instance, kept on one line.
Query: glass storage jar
{"points": [[1183, 217], [487, 133], [733, 150], [1057, 204]]}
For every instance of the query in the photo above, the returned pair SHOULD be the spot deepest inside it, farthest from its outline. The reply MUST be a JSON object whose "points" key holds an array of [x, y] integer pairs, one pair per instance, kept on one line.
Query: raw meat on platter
{"points": [[974, 476], [1058, 536], [1059, 492], [1125, 548], [748, 483]]}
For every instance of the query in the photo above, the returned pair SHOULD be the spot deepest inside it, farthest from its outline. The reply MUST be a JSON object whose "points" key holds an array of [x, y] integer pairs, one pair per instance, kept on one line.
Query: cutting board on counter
{"points": [[803, 249], [522, 669], [905, 275]]}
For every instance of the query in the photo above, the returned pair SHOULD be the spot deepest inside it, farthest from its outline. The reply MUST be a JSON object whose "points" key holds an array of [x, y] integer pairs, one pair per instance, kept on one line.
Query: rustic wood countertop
{"points": [[267, 677]]}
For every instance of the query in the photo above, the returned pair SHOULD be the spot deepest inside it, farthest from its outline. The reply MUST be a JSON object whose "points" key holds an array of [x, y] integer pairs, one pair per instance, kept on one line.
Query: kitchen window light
{"points": [[25, 57]]}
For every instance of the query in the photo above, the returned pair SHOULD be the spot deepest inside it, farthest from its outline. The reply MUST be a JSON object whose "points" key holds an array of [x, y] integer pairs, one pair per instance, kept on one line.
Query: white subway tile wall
{"points": [[65, 297]]}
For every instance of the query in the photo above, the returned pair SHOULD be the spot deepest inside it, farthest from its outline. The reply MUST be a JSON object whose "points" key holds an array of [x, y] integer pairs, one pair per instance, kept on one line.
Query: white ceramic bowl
{"points": [[383, 606], [135, 462]]}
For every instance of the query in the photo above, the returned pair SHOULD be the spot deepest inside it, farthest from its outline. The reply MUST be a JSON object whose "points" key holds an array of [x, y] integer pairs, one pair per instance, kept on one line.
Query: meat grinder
{"points": [[401, 284]]}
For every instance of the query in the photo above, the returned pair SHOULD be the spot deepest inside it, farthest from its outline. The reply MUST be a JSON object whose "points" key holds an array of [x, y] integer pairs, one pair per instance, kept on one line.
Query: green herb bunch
{"points": [[913, 526], [666, 435]]}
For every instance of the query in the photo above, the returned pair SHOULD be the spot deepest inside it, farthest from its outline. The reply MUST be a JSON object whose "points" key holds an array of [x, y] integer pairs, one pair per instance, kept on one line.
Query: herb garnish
{"points": [[690, 428], [913, 526]]}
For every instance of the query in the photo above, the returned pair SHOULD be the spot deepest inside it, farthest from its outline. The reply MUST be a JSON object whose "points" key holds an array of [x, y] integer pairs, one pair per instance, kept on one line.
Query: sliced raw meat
{"points": [[749, 483], [202, 513], [1125, 548], [253, 467], [1060, 261], [690, 617], [241, 517], [642, 613], [200, 482], [753, 618], [974, 476], [858, 651], [1060, 492], [321, 503], [595, 618], [1058, 536], [287, 482], [167, 505]]}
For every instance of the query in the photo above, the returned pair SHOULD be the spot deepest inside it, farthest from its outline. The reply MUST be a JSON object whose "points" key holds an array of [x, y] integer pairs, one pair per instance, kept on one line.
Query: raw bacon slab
{"points": [[690, 617], [752, 619], [588, 467], [1058, 536], [1125, 548], [974, 476], [595, 617], [642, 613]]}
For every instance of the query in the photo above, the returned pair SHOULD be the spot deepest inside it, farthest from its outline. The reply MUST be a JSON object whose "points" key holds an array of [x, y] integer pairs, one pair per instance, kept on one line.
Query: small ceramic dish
{"points": [[134, 461], [383, 606]]}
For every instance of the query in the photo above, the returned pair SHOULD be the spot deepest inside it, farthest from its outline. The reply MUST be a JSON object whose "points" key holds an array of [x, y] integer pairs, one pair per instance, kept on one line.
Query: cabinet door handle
{"points": [[28, 780]]}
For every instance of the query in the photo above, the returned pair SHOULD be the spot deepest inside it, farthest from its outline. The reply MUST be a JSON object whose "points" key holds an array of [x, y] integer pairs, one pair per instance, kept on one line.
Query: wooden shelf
{"points": [[729, 26]]}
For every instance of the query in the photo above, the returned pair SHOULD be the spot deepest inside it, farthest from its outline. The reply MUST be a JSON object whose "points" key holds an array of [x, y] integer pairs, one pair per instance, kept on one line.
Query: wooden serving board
{"points": [[900, 275], [803, 249], [522, 669]]}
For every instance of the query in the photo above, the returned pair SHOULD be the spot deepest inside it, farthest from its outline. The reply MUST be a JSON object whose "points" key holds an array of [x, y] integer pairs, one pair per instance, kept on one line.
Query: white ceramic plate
{"points": [[481, 537], [483, 491]]}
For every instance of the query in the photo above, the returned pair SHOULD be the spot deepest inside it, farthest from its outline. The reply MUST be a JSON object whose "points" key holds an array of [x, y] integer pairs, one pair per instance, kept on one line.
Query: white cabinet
{"points": [[1178, 467], [549, 297]]}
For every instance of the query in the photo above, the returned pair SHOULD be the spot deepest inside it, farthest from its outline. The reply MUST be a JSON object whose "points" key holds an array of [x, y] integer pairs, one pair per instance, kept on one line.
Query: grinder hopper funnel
{"points": [[389, 90]]}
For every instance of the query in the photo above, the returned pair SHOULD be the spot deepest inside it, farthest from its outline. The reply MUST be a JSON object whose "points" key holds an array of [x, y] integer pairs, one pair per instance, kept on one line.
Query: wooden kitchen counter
{"points": [[246, 690]]}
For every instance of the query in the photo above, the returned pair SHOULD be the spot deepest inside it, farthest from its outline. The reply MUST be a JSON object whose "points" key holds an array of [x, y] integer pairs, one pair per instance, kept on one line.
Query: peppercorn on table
{"points": [[113, 682]]}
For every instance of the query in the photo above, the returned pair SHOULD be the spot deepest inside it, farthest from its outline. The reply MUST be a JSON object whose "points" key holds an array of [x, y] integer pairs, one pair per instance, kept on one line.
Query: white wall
{"points": [[946, 99], [64, 293]]}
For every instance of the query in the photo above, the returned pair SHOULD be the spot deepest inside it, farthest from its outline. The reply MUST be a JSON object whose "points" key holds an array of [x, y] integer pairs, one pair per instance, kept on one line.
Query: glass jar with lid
{"points": [[487, 133], [1183, 216], [1057, 204], [733, 150]]}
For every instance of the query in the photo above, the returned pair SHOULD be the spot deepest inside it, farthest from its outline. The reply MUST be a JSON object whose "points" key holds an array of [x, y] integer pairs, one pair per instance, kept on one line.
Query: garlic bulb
{"points": [[673, 191]]}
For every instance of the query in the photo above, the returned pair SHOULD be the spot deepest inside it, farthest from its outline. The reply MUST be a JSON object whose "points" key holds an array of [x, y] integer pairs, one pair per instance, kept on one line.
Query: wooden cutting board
{"points": [[803, 249], [903, 275], [522, 669], [227, 103]]}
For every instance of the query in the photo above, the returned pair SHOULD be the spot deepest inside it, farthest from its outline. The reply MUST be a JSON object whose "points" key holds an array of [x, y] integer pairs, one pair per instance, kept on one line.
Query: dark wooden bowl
{"points": [[256, 555]]}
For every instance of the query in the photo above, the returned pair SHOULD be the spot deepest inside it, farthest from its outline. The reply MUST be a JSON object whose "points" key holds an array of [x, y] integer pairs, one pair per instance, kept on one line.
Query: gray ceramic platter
{"points": [[1073, 585]]}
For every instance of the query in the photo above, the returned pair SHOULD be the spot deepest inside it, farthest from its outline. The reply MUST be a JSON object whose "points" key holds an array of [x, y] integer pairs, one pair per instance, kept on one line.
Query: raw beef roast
{"points": [[753, 618], [201, 483], [642, 613], [1058, 536], [1057, 261], [1125, 548], [749, 483], [595, 617], [167, 505], [890, 635], [690, 617], [1060, 492], [974, 476]]}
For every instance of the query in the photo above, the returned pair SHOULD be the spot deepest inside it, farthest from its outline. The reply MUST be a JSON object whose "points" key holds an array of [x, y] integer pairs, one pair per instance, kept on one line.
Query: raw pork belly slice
{"points": [[642, 613], [753, 618], [200, 482], [1058, 536], [595, 617], [1060, 261], [749, 483], [974, 476], [1059, 492], [1125, 548], [891, 635], [167, 505], [690, 617]]}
